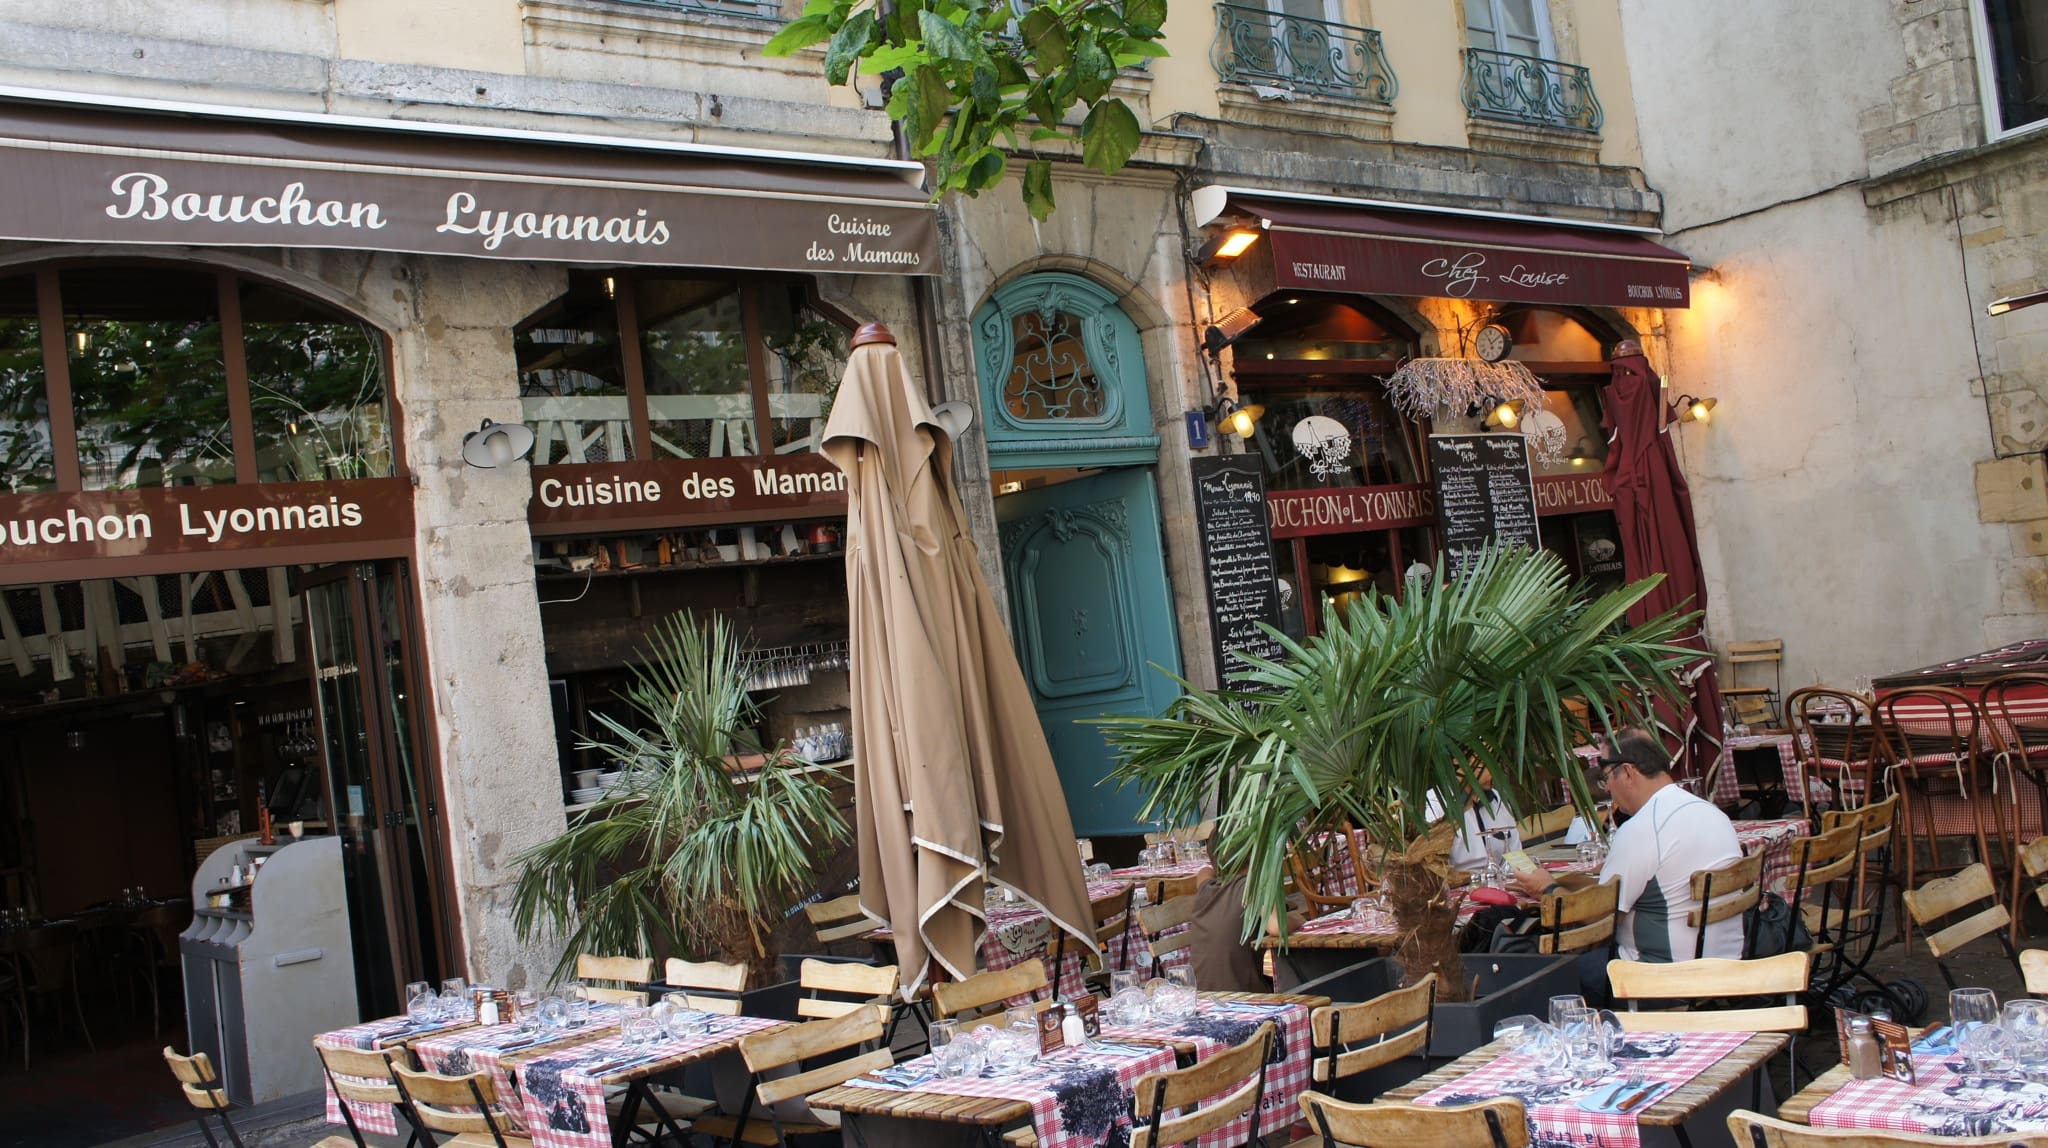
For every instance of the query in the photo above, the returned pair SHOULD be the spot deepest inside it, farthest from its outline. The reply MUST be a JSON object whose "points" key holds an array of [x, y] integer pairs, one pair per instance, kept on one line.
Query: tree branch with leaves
{"points": [[974, 85]]}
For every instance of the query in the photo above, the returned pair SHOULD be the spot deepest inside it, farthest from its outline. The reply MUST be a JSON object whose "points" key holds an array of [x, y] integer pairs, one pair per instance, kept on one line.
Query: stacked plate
{"points": [[585, 796]]}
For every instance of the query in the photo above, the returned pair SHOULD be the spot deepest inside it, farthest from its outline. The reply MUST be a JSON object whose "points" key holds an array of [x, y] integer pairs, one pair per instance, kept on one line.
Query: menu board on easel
{"points": [[1237, 557], [1485, 494]]}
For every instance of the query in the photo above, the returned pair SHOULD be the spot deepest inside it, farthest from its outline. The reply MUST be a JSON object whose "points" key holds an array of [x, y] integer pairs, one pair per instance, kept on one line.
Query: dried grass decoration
{"points": [[1417, 883], [1426, 388]]}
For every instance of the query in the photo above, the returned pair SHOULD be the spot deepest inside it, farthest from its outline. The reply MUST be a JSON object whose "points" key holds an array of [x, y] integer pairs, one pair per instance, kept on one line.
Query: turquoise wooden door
{"points": [[1091, 616]]}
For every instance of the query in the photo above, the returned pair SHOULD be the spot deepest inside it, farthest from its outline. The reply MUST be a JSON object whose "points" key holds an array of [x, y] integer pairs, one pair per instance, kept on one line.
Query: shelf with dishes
{"points": [[744, 768]]}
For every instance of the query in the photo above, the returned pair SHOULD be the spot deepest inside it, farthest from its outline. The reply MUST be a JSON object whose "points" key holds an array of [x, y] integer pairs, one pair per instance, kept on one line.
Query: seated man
{"points": [[1669, 835], [1468, 852]]}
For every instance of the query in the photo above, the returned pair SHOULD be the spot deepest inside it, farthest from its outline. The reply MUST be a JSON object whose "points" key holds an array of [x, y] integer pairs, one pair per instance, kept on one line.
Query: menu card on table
{"points": [[1237, 557], [1485, 494]]}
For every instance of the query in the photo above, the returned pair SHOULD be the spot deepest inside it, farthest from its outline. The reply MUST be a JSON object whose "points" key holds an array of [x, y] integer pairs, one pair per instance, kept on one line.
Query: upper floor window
{"points": [[2012, 43], [1518, 26], [157, 365]]}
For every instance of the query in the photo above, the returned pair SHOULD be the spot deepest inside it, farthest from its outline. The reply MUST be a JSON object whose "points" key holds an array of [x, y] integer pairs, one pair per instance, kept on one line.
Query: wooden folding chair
{"points": [[1499, 1123], [1748, 702], [625, 975], [1160, 890], [204, 1093], [1755, 1130], [1820, 865], [466, 1105], [1113, 928], [780, 1099], [1353, 1038], [1578, 920], [838, 919], [1540, 827], [1933, 907], [1723, 892], [852, 986], [1156, 920], [710, 977], [1715, 979], [955, 998], [360, 1076], [1227, 1087]]}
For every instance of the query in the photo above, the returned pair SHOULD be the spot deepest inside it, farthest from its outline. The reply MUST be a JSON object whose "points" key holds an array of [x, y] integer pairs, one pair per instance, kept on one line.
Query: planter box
{"points": [[1510, 984]]}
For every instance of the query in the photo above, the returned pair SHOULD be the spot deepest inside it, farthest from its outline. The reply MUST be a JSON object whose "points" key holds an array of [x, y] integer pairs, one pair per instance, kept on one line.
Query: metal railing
{"points": [[1529, 90], [1270, 49]]}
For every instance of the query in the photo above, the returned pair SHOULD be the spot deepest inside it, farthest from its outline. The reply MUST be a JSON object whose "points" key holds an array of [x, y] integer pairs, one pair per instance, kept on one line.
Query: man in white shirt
{"points": [[1468, 852], [1669, 835]]}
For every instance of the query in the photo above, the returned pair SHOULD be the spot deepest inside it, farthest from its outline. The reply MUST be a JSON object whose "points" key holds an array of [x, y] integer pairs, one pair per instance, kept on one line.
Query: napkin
{"points": [[1578, 832], [1596, 1100]]}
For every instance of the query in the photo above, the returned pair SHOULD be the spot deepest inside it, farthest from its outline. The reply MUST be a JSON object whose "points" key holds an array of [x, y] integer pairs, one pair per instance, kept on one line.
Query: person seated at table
{"points": [[1669, 835], [1482, 814]]}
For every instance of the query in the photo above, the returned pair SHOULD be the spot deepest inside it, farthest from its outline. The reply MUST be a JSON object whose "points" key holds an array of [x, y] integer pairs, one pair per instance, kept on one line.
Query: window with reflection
{"points": [[700, 401], [806, 359], [149, 386], [26, 463], [1585, 442], [1050, 375], [572, 382], [1311, 328], [316, 389], [1331, 434]]}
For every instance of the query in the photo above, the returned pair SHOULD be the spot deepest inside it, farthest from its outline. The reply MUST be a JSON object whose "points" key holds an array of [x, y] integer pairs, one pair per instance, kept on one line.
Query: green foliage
{"points": [[1397, 699], [973, 84], [685, 858]]}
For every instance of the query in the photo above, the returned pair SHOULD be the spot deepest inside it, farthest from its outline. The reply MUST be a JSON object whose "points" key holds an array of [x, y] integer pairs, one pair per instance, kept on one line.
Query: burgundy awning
{"points": [[1338, 246]]}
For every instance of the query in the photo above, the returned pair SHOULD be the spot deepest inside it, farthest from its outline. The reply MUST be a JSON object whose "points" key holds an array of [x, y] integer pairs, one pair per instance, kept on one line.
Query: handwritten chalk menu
{"points": [[1237, 556], [1485, 494]]}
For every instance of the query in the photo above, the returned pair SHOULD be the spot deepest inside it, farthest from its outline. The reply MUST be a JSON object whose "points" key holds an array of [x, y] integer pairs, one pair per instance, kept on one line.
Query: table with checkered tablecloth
{"points": [[371, 1036], [1075, 1098], [1941, 1102], [490, 1048], [1580, 1115], [561, 1094], [1217, 1026]]}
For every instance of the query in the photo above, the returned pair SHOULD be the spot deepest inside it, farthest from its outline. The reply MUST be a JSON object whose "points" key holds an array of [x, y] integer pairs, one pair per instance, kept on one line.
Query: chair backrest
{"points": [[1160, 890], [1317, 864], [723, 1006], [1576, 920], [1926, 721], [716, 976], [1713, 978], [1184, 834], [847, 978], [1874, 821], [1025, 978], [1354, 1038], [764, 1052], [1943, 897], [623, 971], [195, 1074], [2016, 707], [2034, 862], [361, 1076], [1754, 1130], [1155, 920], [452, 1103], [1494, 1124], [2034, 969], [1723, 892], [1822, 860], [1817, 738], [838, 919], [1540, 827], [1227, 1085]]}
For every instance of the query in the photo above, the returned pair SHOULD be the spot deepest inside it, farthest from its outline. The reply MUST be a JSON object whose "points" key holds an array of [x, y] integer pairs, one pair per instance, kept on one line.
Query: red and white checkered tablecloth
{"points": [[1078, 1096], [1728, 790], [1941, 1103], [1218, 1026], [484, 1049], [1018, 932], [1376, 921], [563, 1104], [369, 1036], [1555, 1112]]}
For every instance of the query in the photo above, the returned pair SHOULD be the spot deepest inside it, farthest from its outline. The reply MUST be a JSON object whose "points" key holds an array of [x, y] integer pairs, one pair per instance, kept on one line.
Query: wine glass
{"points": [[1183, 1000], [1517, 1031], [1566, 1010], [2027, 1021], [419, 1000], [1971, 1006], [948, 1052]]}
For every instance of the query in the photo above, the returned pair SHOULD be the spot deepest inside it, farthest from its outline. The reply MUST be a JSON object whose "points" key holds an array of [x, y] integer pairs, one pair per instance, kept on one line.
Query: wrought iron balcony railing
{"points": [[1528, 90], [1273, 49]]}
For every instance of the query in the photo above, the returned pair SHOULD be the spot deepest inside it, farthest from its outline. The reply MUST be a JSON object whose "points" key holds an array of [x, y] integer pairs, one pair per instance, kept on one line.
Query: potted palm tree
{"points": [[693, 855], [1396, 699]]}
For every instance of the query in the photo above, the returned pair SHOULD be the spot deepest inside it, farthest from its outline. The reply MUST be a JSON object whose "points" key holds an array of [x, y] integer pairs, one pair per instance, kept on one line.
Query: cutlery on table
{"points": [[1630, 1104], [1632, 1081]]}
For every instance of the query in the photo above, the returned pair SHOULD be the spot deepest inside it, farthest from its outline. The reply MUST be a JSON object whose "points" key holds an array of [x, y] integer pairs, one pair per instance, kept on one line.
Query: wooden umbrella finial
{"points": [[873, 333]]}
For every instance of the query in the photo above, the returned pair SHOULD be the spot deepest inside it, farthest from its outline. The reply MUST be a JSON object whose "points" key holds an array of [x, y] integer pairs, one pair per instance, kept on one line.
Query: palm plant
{"points": [[1397, 699], [686, 856]]}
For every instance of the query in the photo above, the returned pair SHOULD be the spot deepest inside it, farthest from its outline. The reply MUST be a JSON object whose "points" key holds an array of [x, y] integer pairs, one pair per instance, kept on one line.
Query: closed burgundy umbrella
{"points": [[1653, 506], [954, 785]]}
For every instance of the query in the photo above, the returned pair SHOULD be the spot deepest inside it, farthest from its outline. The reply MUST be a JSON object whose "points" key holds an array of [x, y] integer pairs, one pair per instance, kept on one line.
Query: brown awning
{"points": [[1338, 245], [184, 174]]}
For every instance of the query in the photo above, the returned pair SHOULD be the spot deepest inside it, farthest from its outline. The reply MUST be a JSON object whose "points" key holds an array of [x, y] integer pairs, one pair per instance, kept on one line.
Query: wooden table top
{"points": [[1670, 1110], [857, 1101], [1799, 1109]]}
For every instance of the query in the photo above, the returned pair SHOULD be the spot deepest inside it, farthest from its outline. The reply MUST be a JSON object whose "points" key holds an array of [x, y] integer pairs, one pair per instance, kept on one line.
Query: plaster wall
{"points": [[477, 35]]}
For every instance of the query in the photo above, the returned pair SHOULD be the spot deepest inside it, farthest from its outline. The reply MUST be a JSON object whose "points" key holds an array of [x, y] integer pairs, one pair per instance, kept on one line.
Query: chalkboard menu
{"points": [[1485, 494], [1237, 556]]}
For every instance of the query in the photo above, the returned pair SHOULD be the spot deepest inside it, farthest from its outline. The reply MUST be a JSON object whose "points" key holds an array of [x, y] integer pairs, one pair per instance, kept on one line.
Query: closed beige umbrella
{"points": [[953, 781]]}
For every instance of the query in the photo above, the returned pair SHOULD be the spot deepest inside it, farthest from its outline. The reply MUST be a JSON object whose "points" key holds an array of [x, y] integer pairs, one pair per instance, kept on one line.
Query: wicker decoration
{"points": [[1425, 388]]}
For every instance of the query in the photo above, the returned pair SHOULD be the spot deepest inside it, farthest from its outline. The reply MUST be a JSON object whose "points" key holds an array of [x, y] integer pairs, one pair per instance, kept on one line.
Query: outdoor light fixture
{"points": [[1229, 329], [496, 444], [1692, 409], [1582, 453], [1228, 416], [2015, 302], [1228, 245], [1505, 416]]}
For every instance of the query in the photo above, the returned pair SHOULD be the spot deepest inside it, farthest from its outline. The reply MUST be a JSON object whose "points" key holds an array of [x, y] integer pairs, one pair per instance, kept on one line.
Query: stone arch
{"points": [[1138, 304]]}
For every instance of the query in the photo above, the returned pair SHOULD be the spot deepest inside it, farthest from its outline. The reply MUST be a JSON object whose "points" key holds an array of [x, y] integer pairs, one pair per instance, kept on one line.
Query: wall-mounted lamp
{"points": [[1226, 246], [1582, 453], [1229, 416], [1505, 416], [1229, 329], [2015, 302], [496, 444], [1692, 409]]}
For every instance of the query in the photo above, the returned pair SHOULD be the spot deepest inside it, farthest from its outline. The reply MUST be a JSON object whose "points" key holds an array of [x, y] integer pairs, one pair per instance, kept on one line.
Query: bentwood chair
{"points": [[1835, 741], [1221, 1090], [1931, 738], [1352, 1039], [1754, 1130], [203, 1091], [2016, 712], [42, 964], [1498, 1123], [1327, 871]]}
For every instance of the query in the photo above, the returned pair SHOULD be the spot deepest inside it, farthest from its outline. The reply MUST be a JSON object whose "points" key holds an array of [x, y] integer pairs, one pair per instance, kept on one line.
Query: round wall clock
{"points": [[1493, 342]]}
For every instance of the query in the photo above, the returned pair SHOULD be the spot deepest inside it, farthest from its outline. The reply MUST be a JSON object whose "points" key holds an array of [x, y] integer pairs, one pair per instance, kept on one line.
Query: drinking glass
{"points": [[453, 1004], [553, 1012], [1971, 1006], [1587, 1039], [947, 1049], [1566, 1010], [1496, 848], [2027, 1021], [1987, 1049], [1362, 909], [578, 1001], [1180, 984], [1516, 1031], [632, 1025], [419, 999], [1127, 997], [455, 985]]}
